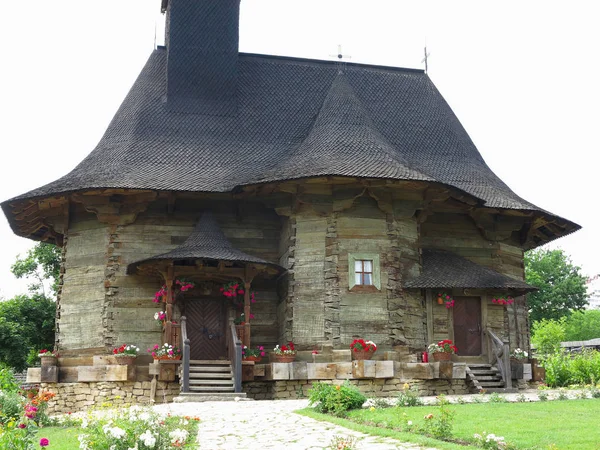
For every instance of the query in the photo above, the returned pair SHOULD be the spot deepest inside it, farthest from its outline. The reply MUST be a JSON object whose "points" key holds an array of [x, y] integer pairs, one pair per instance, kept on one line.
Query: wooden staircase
{"points": [[487, 378], [210, 380]]}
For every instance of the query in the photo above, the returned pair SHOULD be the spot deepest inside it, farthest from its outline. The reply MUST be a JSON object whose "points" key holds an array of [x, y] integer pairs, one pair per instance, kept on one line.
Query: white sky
{"points": [[522, 77]]}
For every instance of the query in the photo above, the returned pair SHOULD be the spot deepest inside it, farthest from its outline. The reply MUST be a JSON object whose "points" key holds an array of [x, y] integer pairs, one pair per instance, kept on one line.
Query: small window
{"points": [[363, 272]]}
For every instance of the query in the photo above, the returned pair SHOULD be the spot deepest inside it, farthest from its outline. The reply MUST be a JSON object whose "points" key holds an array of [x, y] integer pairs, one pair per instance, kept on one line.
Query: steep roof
{"points": [[295, 119], [207, 242], [445, 270]]}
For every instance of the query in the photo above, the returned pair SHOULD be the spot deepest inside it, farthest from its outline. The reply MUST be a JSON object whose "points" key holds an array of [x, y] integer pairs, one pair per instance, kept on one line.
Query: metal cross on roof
{"points": [[424, 60], [340, 56]]}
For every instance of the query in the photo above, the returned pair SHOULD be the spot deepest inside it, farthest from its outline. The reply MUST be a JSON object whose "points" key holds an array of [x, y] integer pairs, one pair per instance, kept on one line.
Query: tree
{"points": [[562, 287], [26, 326], [41, 263], [27, 321], [547, 336], [583, 326]]}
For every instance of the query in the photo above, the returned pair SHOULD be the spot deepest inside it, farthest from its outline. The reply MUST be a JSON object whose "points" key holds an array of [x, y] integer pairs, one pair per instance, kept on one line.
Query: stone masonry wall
{"points": [[391, 387], [73, 397]]}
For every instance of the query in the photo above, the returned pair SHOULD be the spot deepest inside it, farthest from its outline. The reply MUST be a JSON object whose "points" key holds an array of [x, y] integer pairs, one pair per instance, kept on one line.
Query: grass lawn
{"points": [[60, 438], [571, 424]]}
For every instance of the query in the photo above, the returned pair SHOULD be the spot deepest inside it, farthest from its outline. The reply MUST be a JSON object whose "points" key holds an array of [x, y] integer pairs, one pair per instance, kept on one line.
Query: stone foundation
{"points": [[73, 397], [391, 387]]}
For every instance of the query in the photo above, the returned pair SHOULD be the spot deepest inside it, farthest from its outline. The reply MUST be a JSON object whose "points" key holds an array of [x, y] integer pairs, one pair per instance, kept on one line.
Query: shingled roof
{"points": [[445, 270], [207, 242], [277, 119]]}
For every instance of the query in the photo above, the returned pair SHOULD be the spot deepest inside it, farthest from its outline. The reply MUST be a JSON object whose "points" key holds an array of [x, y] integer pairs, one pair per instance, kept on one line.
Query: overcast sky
{"points": [[522, 77]]}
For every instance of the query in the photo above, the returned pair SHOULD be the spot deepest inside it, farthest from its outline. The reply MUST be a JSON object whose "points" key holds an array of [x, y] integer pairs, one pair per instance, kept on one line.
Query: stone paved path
{"points": [[269, 425]]}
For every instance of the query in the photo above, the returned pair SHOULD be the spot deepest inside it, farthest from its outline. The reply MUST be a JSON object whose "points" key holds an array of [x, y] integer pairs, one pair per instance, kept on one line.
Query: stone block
{"points": [[321, 371], [34, 375], [417, 371], [343, 370], [384, 369], [363, 369], [341, 356], [391, 356], [167, 372], [68, 374], [104, 360], [259, 370], [459, 370], [280, 371], [527, 372], [154, 368], [446, 368], [49, 374], [298, 371], [247, 371]]}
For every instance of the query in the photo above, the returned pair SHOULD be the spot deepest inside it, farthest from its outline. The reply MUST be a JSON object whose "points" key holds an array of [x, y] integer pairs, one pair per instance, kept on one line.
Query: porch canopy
{"points": [[445, 270], [207, 254]]}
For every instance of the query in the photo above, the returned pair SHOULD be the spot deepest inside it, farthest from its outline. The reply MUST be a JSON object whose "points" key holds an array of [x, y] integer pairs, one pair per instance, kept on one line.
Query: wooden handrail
{"points": [[500, 351], [185, 381], [234, 348]]}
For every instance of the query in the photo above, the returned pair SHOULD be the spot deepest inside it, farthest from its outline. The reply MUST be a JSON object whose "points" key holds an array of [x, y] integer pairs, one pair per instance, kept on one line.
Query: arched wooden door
{"points": [[206, 320]]}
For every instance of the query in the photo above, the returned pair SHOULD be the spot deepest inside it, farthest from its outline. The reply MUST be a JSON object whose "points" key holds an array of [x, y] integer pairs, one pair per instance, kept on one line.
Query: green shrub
{"points": [[409, 396], [547, 336], [565, 369], [8, 383], [11, 406], [336, 400]]}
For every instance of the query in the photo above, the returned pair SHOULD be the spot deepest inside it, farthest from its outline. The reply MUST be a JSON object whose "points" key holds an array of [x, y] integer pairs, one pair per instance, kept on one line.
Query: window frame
{"points": [[375, 274]]}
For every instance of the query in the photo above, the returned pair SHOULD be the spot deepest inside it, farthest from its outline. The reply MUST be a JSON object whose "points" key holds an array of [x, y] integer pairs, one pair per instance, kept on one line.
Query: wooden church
{"points": [[343, 199]]}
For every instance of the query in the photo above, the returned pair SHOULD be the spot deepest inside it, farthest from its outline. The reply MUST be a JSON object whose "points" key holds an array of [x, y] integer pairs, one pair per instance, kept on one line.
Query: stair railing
{"points": [[185, 378], [500, 355], [234, 348]]}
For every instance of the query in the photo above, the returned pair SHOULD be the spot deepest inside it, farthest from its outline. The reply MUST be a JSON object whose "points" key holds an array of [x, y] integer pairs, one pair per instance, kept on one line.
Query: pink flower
{"points": [[262, 353], [240, 292], [44, 442], [22, 425], [251, 316]]}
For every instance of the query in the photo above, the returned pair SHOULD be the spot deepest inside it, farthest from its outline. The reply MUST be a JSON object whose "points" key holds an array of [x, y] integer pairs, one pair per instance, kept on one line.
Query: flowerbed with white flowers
{"points": [[138, 428]]}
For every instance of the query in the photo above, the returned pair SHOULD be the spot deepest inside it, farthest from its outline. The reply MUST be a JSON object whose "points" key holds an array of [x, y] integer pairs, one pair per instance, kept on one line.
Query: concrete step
{"points": [[211, 388], [210, 362], [488, 378], [210, 397], [491, 384], [226, 382], [502, 390], [212, 376]]}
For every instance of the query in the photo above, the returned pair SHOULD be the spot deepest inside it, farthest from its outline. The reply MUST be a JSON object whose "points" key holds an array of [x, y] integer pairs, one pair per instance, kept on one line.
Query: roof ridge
{"points": [[343, 114]]}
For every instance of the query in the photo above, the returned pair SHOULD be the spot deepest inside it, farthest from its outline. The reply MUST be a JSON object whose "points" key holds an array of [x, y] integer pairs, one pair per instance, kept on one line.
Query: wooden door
{"points": [[206, 328], [467, 325]]}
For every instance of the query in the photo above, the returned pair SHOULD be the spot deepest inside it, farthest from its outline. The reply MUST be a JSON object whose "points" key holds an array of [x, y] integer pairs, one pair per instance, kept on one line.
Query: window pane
{"points": [[368, 266], [358, 278], [358, 266], [368, 279]]}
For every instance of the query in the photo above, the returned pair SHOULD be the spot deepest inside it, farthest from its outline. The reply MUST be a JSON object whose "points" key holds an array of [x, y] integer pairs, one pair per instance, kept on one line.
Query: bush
{"points": [[8, 383], [11, 406], [547, 336], [409, 396], [336, 400], [565, 369], [439, 425]]}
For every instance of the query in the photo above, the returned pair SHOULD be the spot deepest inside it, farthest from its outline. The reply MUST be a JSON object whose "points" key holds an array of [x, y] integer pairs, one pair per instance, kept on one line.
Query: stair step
{"points": [[209, 397], [484, 372], [210, 375], [488, 378], [211, 389], [208, 362], [491, 384], [479, 366], [228, 382], [213, 369]]}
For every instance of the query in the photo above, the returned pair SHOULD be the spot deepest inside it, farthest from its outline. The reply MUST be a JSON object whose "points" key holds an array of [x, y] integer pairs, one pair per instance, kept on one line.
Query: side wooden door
{"points": [[467, 325], [206, 328]]}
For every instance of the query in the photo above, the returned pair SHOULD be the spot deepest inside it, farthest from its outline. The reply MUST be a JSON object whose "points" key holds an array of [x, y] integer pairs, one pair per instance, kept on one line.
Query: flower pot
{"points": [[161, 358], [442, 356], [282, 358], [362, 355], [48, 361], [123, 359], [253, 358]]}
